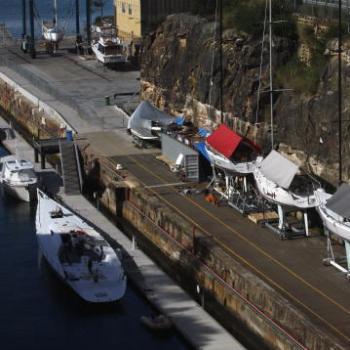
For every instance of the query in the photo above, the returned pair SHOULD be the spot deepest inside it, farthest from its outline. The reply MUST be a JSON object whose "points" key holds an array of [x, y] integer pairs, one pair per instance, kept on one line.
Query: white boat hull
{"points": [[227, 165], [108, 59], [331, 220], [23, 193], [107, 283], [280, 196], [54, 37]]}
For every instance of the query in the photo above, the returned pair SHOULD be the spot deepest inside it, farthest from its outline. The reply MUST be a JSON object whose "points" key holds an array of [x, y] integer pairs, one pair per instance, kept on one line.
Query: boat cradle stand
{"points": [[287, 228], [341, 263], [237, 191]]}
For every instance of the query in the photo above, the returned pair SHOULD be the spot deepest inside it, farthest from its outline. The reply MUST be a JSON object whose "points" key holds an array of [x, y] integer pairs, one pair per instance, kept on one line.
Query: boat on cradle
{"points": [[147, 122], [78, 254], [334, 210], [50, 30], [231, 152], [51, 33], [18, 177], [278, 181], [108, 48]]}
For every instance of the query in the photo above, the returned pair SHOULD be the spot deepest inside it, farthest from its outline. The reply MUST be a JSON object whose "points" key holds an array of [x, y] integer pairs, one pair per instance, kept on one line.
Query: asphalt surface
{"points": [[292, 267]]}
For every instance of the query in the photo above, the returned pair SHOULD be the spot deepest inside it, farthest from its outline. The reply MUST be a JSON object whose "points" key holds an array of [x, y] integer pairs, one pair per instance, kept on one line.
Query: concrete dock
{"points": [[293, 268], [200, 329]]}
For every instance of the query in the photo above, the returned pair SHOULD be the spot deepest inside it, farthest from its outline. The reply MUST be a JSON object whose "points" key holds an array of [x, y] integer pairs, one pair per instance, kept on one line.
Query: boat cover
{"points": [[202, 149], [278, 169], [224, 140], [339, 202], [145, 113]]}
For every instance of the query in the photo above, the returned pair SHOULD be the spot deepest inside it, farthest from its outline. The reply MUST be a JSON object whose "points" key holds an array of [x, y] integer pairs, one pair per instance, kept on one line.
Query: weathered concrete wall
{"points": [[28, 114]]}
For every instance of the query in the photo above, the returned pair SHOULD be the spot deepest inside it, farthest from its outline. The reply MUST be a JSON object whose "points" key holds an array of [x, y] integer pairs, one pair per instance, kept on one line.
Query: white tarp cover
{"points": [[340, 201], [145, 113], [278, 169]]}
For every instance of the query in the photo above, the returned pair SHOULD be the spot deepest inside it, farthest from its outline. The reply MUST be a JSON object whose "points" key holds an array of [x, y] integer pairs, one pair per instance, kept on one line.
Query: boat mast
{"points": [[88, 22], [24, 19], [221, 66], [77, 19], [340, 93], [271, 82], [32, 33], [55, 17]]}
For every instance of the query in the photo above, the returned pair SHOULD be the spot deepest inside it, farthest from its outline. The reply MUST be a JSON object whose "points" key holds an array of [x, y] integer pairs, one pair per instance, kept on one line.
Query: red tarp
{"points": [[224, 140]]}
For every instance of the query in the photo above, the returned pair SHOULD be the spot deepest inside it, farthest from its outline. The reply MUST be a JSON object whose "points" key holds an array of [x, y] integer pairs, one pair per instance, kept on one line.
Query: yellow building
{"points": [[134, 18]]}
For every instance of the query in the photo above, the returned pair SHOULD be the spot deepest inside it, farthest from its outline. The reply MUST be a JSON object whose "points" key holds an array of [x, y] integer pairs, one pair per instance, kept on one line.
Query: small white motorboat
{"points": [[78, 254], [18, 177], [109, 50]]}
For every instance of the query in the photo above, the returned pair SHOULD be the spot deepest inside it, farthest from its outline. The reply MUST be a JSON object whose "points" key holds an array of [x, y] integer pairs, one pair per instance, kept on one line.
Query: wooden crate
{"points": [[258, 218]]}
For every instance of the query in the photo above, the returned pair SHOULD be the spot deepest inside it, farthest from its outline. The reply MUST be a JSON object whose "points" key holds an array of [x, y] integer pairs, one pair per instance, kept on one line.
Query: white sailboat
{"points": [[334, 209], [50, 30], [77, 253], [277, 178], [18, 177], [278, 181]]}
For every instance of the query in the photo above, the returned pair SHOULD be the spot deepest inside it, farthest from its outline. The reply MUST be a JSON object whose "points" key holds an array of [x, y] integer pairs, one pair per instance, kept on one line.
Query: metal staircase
{"points": [[71, 172]]}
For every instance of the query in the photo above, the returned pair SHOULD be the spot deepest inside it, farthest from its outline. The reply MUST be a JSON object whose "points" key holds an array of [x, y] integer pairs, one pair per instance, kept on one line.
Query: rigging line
{"points": [[261, 64], [211, 83]]}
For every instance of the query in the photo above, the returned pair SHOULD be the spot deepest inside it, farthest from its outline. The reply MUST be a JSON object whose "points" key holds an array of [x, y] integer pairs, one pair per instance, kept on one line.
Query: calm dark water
{"points": [[11, 14], [39, 312]]}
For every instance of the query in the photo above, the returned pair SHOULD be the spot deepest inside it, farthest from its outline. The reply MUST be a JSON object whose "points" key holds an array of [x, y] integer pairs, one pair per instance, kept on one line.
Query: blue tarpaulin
{"points": [[180, 120], [202, 149], [203, 132]]}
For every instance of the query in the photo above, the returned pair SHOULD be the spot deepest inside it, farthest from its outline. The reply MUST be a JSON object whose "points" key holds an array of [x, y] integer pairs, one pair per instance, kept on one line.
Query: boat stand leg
{"points": [[213, 179], [347, 250], [330, 260], [280, 217], [306, 223]]}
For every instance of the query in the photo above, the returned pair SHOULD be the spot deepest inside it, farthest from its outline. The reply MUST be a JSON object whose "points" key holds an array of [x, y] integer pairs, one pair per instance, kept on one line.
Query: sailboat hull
{"points": [[23, 193], [278, 195], [95, 277], [223, 163]]}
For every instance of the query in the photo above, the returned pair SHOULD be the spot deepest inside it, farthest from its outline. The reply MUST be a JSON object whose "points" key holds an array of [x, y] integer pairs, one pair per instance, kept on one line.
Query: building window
{"points": [[123, 7], [130, 10]]}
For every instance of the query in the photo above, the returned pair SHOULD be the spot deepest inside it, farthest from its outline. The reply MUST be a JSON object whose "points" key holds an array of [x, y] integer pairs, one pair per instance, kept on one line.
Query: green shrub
{"points": [[299, 77]]}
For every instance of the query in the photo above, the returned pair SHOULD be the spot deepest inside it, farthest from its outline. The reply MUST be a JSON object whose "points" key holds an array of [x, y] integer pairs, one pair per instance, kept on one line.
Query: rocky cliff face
{"points": [[181, 73]]}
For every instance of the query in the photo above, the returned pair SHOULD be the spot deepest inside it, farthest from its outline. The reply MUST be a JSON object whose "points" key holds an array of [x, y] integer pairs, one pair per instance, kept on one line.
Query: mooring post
{"points": [[36, 155], [42, 157]]}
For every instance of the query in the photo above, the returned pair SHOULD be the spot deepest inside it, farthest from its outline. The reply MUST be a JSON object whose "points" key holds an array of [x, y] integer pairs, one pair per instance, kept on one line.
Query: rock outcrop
{"points": [[181, 73]]}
